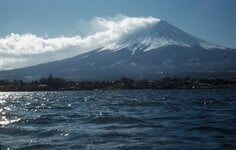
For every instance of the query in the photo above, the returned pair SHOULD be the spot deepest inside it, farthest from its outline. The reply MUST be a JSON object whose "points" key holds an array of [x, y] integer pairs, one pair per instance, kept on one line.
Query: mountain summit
{"points": [[148, 52], [159, 35]]}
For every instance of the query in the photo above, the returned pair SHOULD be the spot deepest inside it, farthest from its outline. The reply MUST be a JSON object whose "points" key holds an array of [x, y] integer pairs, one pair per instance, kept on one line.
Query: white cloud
{"points": [[28, 49]]}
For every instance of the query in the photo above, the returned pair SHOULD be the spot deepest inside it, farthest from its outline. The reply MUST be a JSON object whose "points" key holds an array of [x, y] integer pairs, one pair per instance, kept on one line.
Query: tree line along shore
{"points": [[59, 84]]}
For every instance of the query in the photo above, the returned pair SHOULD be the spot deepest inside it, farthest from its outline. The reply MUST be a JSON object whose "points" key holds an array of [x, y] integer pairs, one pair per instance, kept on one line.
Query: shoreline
{"points": [[167, 83], [117, 89]]}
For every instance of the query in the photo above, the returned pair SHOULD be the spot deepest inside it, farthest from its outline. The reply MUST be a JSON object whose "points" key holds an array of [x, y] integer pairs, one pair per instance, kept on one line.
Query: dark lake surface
{"points": [[126, 119]]}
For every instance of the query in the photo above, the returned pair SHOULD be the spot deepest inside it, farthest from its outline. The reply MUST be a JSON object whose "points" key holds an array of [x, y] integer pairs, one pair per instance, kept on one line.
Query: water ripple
{"points": [[132, 119]]}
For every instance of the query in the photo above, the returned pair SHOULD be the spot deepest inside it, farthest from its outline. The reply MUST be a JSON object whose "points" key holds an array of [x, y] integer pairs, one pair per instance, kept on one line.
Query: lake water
{"points": [[129, 119]]}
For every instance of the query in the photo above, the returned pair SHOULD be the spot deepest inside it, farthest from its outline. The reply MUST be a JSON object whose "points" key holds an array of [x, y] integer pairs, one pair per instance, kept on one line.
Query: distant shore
{"points": [[58, 84]]}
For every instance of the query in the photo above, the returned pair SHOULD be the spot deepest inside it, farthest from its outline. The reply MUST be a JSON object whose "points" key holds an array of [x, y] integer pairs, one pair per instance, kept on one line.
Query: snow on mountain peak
{"points": [[156, 35]]}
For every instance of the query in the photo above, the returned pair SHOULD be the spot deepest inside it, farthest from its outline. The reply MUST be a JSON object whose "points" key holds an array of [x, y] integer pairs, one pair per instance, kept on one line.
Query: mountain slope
{"points": [[147, 53], [160, 35]]}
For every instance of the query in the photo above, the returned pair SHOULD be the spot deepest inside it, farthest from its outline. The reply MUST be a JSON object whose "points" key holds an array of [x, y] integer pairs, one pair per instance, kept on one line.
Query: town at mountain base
{"points": [[58, 84]]}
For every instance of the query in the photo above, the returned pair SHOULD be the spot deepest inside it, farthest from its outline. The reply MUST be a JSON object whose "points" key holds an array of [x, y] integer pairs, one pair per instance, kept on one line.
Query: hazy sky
{"points": [[211, 20], [38, 31]]}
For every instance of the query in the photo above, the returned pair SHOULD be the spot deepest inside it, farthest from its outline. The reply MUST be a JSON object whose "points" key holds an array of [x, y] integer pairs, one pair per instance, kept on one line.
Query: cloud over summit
{"points": [[28, 49]]}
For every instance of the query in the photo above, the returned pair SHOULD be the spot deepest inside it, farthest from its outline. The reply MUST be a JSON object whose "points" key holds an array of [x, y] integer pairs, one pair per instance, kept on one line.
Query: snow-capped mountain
{"points": [[148, 52], [157, 36]]}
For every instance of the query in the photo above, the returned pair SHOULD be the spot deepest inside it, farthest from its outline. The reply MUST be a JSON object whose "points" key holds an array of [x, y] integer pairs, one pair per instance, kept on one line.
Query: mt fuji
{"points": [[147, 53], [160, 35]]}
